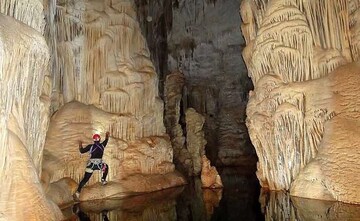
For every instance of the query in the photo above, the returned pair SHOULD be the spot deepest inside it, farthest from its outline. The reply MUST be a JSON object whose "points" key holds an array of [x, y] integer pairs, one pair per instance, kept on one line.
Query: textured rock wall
{"points": [[24, 111], [187, 135], [195, 141], [205, 43], [174, 120], [209, 175], [29, 12], [127, 153], [103, 58], [303, 111], [105, 81]]}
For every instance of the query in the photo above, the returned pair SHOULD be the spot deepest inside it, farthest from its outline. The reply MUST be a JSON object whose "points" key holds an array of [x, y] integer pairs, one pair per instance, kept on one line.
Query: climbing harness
{"points": [[100, 146]]}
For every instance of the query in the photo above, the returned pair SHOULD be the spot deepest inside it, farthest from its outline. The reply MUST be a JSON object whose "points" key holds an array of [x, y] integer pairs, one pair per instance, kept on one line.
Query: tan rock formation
{"points": [[107, 82], [302, 114], [29, 12], [24, 111], [210, 178], [132, 158], [173, 92], [61, 191], [102, 59], [332, 174], [195, 141], [186, 156], [174, 85]]}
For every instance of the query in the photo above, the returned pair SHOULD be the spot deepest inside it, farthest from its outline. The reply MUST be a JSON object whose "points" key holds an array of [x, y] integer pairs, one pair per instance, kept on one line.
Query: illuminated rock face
{"points": [[127, 153], [102, 59], [24, 112], [29, 12], [105, 81], [303, 112], [210, 177], [175, 123], [102, 80]]}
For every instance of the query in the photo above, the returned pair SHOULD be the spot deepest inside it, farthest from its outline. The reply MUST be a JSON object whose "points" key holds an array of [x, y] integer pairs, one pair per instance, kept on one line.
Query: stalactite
{"points": [[103, 58], [29, 12], [325, 16], [293, 54], [108, 83], [354, 27]]}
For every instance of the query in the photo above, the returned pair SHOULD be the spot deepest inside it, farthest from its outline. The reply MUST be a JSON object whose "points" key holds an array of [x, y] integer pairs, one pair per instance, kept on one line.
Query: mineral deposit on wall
{"points": [[303, 113], [99, 78], [24, 111], [106, 82], [189, 156]]}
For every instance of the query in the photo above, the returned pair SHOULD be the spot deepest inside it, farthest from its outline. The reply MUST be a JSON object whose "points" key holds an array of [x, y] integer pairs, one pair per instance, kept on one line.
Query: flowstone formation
{"points": [[106, 82], [24, 111], [174, 121], [303, 113], [185, 128]]}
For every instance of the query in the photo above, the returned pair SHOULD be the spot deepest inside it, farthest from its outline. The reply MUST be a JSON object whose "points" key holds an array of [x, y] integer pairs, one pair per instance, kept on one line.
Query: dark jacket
{"points": [[96, 149]]}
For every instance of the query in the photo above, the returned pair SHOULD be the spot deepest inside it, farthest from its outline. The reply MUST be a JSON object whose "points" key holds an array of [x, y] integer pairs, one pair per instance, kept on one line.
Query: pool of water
{"points": [[241, 199]]}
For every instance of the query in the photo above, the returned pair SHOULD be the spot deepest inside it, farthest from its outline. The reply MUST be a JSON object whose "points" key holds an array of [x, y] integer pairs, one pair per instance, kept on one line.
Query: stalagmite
{"points": [[303, 111], [195, 141], [195, 145], [174, 86], [189, 157]]}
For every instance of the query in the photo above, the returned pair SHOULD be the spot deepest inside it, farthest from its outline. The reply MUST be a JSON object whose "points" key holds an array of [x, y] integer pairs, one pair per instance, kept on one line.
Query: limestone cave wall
{"points": [[302, 115], [69, 69], [25, 88], [105, 81]]}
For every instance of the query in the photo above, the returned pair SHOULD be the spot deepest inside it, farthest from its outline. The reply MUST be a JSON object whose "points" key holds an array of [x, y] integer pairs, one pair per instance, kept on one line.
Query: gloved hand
{"points": [[107, 134]]}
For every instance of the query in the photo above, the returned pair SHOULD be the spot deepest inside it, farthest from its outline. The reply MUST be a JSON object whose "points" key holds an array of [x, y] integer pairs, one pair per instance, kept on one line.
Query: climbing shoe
{"points": [[76, 196], [103, 182]]}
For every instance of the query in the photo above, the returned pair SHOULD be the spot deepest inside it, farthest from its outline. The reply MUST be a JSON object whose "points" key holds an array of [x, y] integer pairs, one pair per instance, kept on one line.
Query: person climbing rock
{"points": [[95, 162]]}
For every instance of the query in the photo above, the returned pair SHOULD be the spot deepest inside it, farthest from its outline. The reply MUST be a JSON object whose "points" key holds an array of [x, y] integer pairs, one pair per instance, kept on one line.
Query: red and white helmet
{"points": [[96, 137]]}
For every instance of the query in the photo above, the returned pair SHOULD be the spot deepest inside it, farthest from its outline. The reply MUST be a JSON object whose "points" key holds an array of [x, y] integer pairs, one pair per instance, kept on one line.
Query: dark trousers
{"points": [[87, 176]]}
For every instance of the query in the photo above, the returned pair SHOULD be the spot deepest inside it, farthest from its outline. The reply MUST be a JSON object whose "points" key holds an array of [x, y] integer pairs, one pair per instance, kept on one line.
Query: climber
{"points": [[95, 162]]}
